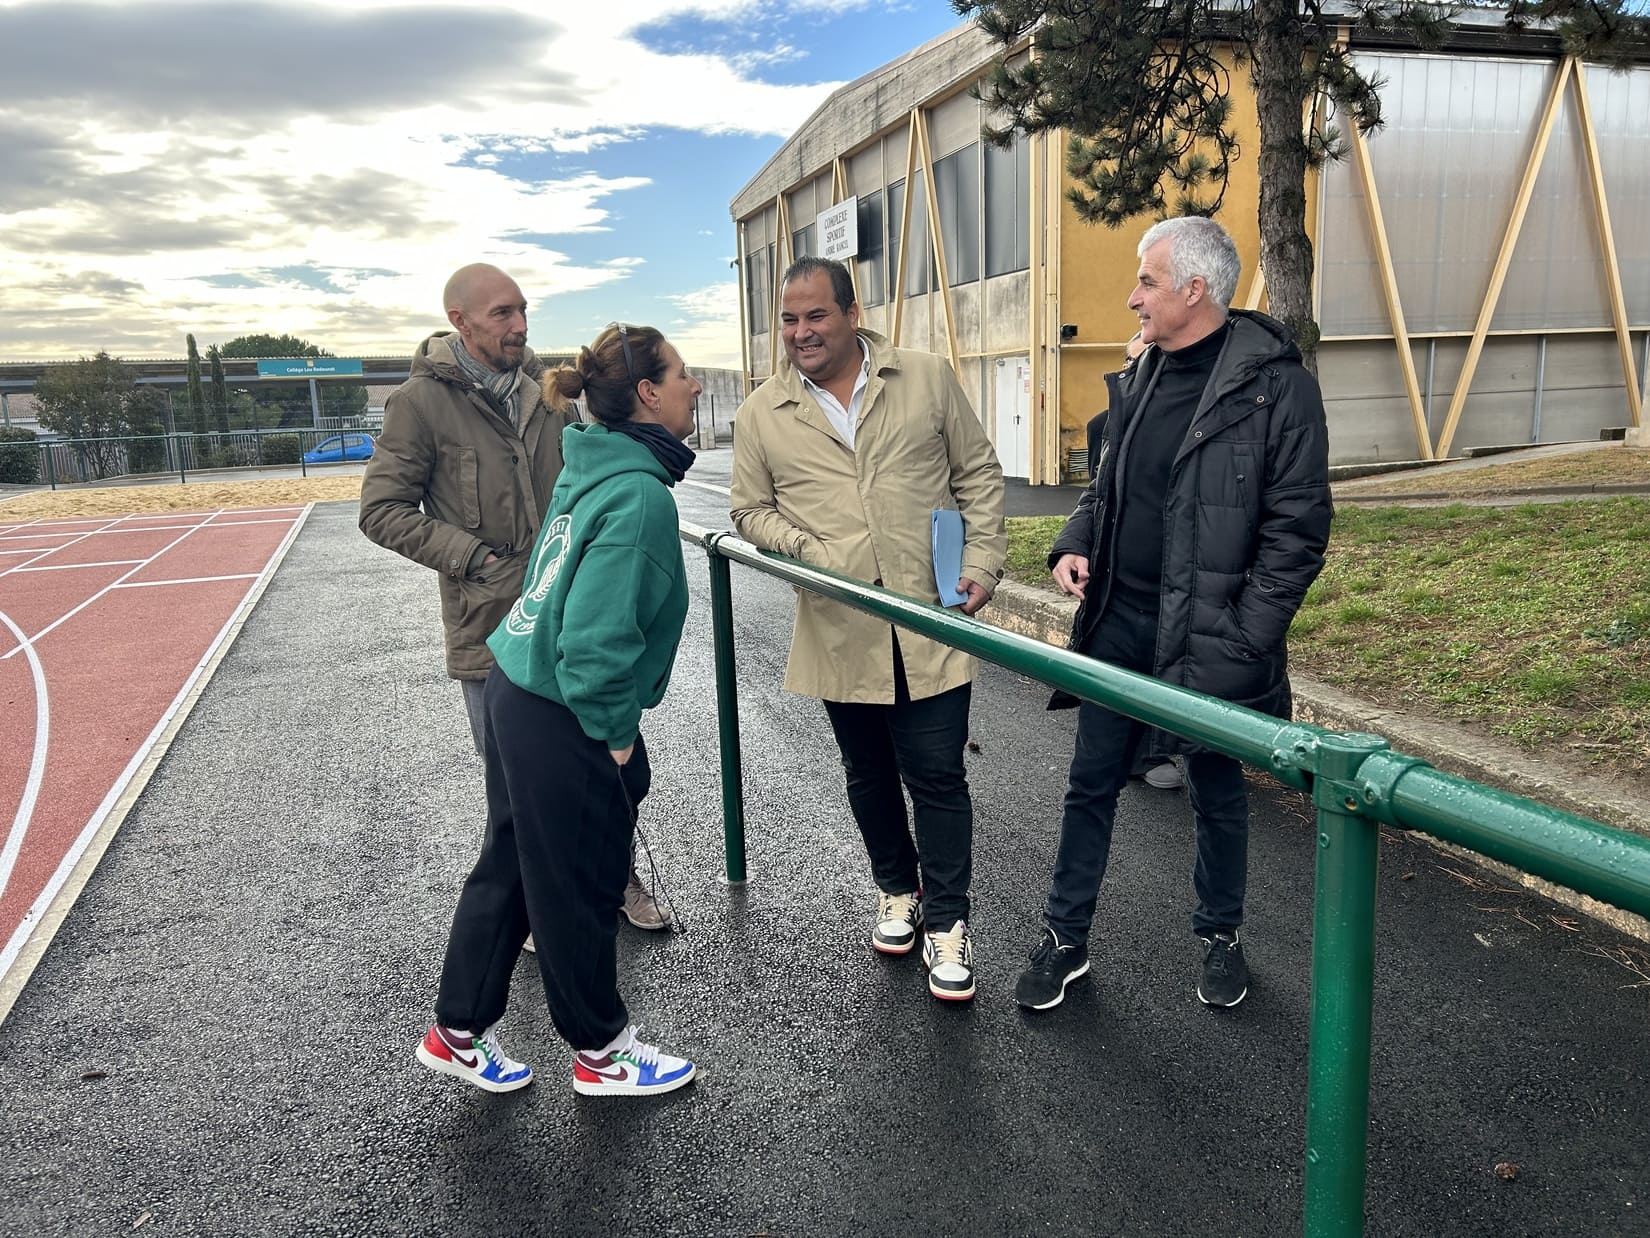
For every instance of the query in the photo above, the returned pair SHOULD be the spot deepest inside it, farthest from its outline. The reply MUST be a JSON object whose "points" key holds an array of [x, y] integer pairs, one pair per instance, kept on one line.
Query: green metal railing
{"points": [[1357, 784]]}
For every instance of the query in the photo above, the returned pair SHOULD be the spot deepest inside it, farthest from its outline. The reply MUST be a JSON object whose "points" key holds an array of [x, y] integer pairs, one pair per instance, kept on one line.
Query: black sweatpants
{"points": [[554, 861]]}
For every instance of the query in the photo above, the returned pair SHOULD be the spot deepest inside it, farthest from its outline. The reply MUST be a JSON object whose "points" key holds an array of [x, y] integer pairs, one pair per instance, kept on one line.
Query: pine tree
{"points": [[220, 390], [195, 396], [1142, 90]]}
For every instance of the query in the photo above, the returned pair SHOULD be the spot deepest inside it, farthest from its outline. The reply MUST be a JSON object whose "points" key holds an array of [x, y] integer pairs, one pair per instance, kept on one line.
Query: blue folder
{"points": [[948, 551]]}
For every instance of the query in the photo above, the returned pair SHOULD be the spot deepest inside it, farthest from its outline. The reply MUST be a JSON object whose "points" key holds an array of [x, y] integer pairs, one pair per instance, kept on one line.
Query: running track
{"points": [[106, 627]]}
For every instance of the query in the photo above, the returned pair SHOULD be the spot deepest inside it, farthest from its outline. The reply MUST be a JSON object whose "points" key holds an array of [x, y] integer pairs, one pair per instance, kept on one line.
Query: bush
{"points": [[146, 455], [281, 448], [234, 455], [19, 457]]}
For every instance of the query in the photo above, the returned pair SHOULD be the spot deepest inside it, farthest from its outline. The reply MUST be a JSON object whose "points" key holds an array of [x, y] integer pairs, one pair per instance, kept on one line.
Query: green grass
{"points": [[1532, 622]]}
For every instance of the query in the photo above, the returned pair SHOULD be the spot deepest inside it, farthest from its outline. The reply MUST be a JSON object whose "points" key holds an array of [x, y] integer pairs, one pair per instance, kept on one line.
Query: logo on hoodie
{"points": [[552, 552]]}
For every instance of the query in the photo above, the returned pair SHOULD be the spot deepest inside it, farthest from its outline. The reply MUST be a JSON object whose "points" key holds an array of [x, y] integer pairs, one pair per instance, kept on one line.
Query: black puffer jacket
{"points": [[1245, 520]]}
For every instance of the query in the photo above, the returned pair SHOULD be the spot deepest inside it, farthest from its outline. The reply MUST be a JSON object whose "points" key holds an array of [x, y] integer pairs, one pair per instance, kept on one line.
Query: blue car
{"points": [[340, 447]]}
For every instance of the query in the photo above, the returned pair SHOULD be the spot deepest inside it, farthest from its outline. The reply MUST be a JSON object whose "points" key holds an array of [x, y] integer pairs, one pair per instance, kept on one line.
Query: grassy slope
{"points": [[1531, 621]]}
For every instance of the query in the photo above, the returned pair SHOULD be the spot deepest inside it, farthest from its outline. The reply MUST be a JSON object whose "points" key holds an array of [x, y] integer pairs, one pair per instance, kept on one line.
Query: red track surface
{"points": [[116, 616]]}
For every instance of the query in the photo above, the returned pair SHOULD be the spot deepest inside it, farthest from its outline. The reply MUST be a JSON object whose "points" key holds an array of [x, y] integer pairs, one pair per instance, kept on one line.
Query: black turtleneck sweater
{"points": [[1147, 459]]}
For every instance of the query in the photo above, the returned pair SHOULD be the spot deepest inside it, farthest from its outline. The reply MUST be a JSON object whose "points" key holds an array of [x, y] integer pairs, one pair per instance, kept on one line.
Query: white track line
{"points": [[705, 485], [61, 619], [184, 580], [20, 955], [75, 540], [64, 567], [37, 763], [154, 528]]}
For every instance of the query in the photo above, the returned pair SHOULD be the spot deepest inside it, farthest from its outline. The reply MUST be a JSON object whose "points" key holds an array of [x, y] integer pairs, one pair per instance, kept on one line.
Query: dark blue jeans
{"points": [[919, 743], [1100, 765]]}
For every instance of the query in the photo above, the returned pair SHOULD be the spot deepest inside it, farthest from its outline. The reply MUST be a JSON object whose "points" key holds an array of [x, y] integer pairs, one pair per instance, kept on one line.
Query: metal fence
{"points": [[54, 462], [1357, 784]]}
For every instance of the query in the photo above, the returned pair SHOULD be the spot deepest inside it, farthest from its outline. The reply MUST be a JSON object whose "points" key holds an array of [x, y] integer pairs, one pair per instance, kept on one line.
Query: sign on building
{"points": [[839, 230], [310, 367]]}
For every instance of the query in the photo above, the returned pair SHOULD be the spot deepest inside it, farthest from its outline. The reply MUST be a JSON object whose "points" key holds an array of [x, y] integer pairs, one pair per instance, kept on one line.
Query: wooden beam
{"points": [[781, 246], [1607, 242], [904, 229], [934, 236], [1389, 291], [1257, 289], [744, 326], [1034, 291], [839, 193], [1045, 453], [1503, 260]]}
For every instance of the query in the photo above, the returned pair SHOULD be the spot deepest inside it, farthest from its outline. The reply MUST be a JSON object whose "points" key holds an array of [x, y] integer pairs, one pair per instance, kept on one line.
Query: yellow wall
{"points": [[1098, 265]]}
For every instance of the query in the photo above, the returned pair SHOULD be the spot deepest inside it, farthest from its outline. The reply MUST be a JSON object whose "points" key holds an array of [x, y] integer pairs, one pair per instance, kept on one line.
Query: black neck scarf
{"points": [[667, 449]]}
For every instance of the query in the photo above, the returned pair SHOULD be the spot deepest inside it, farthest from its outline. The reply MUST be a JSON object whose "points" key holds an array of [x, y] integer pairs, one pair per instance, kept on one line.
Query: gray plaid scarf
{"points": [[502, 383]]}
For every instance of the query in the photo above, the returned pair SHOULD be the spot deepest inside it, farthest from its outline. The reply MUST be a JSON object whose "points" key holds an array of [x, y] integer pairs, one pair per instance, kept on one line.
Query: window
{"points": [[957, 182], [1007, 208], [802, 242], [919, 264], [872, 277], [758, 288]]}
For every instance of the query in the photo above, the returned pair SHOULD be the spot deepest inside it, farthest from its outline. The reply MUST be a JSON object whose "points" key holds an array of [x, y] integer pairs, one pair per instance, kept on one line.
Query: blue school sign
{"points": [[310, 367]]}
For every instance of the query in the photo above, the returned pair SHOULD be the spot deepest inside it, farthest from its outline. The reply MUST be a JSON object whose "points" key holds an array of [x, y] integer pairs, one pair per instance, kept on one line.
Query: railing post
{"points": [[727, 714], [1343, 967]]}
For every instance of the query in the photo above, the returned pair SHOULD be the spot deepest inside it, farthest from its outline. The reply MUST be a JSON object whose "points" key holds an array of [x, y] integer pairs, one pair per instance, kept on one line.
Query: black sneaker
{"points": [[1042, 986], [1225, 979]]}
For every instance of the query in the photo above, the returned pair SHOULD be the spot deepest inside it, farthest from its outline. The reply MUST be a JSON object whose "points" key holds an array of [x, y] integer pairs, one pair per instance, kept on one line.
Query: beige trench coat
{"points": [[867, 513]]}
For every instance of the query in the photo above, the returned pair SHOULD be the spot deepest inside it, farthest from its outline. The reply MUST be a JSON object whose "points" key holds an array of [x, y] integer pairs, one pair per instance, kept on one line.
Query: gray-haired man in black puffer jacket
{"points": [[1191, 550]]}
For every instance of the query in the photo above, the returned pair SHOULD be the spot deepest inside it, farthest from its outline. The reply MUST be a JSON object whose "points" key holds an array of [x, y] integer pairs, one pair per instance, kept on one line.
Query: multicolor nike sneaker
{"points": [[629, 1069], [475, 1059]]}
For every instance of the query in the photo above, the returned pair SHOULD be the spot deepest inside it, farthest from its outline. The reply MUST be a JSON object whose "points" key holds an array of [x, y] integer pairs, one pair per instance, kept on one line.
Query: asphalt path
{"points": [[220, 1040]]}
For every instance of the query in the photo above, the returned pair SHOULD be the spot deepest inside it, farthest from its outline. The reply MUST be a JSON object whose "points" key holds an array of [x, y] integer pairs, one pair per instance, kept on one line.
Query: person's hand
{"points": [[976, 596], [1071, 574], [491, 558], [621, 755]]}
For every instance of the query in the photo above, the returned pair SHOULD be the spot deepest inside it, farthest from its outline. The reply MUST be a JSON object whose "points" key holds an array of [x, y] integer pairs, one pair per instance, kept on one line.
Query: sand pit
{"points": [[206, 496]]}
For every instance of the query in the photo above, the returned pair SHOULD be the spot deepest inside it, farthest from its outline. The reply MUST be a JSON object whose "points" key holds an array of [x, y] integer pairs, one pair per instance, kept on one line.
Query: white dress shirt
{"points": [[843, 420]]}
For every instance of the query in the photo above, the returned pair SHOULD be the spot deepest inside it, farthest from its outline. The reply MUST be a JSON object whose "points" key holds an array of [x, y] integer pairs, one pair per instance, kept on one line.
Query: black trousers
{"points": [[919, 743], [1107, 743], [554, 861]]}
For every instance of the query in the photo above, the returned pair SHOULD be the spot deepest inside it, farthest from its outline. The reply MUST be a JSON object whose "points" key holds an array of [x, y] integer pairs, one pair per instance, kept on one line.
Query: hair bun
{"points": [[563, 383]]}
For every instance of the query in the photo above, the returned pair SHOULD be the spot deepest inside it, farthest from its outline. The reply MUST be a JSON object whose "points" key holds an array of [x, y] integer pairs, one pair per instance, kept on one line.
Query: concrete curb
{"points": [[1343, 495], [1047, 617]]}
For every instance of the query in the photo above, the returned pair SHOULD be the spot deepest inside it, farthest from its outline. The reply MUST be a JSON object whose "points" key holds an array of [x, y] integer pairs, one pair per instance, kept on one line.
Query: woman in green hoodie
{"points": [[587, 647]]}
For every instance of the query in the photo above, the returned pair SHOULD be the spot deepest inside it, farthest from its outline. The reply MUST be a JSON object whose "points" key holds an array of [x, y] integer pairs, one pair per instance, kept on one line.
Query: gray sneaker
{"points": [[1165, 777], [642, 908]]}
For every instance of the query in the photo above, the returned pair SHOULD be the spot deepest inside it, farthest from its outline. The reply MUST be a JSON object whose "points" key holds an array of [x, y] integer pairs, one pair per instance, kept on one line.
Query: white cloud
{"points": [[326, 196], [707, 331]]}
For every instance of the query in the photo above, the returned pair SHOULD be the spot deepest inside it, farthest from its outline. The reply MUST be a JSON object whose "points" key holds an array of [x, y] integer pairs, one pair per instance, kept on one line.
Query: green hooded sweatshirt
{"points": [[600, 615]]}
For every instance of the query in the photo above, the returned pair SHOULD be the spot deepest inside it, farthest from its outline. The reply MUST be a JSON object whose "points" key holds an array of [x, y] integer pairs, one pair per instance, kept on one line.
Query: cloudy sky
{"points": [[319, 168]]}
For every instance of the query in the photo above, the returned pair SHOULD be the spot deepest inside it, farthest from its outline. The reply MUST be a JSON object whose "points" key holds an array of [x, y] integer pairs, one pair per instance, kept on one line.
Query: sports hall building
{"points": [[1483, 261]]}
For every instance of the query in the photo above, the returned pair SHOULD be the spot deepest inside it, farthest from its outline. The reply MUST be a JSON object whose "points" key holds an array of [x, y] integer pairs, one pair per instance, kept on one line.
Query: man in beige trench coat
{"points": [[839, 460]]}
